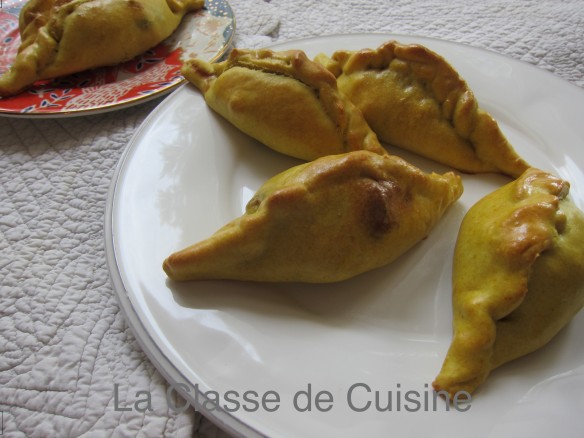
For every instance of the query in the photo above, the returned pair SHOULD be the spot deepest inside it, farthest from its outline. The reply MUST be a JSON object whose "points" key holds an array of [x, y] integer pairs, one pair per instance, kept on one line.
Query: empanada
{"points": [[412, 98], [323, 221], [518, 277], [61, 37], [286, 101]]}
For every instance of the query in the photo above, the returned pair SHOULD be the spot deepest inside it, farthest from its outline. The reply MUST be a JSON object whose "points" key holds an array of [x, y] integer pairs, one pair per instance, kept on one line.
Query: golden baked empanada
{"points": [[286, 101], [412, 98], [323, 221], [518, 277], [60, 37]]}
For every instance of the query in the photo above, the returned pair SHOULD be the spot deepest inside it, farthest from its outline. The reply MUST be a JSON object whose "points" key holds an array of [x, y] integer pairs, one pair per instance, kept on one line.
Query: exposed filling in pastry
{"points": [[286, 101], [412, 98], [61, 37], [518, 277], [323, 221]]}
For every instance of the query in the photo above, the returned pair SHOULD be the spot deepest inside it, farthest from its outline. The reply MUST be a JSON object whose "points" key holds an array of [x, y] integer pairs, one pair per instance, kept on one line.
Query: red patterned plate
{"points": [[206, 33]]}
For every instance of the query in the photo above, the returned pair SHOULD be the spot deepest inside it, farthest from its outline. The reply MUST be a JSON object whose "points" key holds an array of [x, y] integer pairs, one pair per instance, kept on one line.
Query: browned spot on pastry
{"points": [[137, 11], [143, 24], [253, 205], [382, 201], [135, 4], [530, 229]]}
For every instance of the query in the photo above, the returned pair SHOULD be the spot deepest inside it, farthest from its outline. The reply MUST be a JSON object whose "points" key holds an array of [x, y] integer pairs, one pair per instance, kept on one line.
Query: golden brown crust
{"points": [[412, 98], [518, 277], [61, 37], [323, 221], [299, 111]]}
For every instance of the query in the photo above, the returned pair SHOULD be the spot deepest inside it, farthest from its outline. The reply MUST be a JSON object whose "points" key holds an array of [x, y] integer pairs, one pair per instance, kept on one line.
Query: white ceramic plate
{"points": [[206, 34], [187, 172]]}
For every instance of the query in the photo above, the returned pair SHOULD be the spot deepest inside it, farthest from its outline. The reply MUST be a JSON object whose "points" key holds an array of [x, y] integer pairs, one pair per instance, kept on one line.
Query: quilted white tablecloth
{"points": [[66, 353]]}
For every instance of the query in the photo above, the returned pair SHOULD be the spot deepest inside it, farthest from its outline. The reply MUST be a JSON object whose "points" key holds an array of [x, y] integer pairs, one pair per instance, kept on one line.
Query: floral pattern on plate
{"points": [[206, 33]]}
